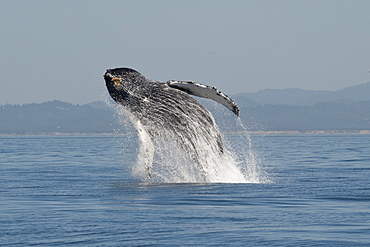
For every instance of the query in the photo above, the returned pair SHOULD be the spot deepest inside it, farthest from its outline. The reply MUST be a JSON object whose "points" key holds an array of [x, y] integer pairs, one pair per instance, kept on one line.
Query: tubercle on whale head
{"points": [[117, 81]]}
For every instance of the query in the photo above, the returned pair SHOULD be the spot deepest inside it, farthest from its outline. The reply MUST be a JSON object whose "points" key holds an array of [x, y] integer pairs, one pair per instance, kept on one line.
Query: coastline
{"points": [[272, 132], [308, 132]]}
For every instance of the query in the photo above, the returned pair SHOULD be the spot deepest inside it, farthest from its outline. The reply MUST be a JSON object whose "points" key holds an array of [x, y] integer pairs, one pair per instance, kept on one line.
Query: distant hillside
{"points": [[303, 110], [343, 116], [302, 97], [56, 116], [269, 110]]}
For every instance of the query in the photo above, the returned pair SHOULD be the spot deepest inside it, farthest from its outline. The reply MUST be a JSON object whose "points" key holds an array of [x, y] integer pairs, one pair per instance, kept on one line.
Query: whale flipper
{"points": [[205, 91], [146, 149]]}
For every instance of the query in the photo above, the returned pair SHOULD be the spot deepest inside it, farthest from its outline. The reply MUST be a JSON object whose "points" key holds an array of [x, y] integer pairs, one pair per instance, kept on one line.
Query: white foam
{"points": [[171, 164]]}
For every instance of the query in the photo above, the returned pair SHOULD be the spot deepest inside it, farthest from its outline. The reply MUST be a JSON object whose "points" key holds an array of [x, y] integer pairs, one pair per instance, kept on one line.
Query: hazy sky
{"points": [[61, 49]]}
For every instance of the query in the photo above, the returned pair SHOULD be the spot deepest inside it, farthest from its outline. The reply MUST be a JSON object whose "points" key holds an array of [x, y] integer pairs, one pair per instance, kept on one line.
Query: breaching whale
{"points": [[166, 110]]}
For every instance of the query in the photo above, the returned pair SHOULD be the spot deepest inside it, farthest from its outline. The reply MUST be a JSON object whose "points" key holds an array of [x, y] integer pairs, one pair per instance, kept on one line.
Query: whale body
{"points": [[167, 110]]}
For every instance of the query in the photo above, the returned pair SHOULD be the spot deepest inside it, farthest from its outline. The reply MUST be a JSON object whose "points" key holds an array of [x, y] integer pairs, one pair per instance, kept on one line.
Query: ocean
{"points": [[301, 190]]}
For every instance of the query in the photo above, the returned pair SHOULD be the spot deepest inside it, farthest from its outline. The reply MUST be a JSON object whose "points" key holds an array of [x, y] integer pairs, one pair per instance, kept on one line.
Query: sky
{"points": [[59, 50]]}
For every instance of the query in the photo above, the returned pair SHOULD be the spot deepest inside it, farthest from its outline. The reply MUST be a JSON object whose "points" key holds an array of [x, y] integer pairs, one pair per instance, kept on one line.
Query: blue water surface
{"points": [[78, 191]]}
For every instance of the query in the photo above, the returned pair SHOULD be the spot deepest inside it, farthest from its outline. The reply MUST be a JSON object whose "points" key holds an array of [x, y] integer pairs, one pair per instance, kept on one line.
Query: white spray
{"points": [[171, 164]]}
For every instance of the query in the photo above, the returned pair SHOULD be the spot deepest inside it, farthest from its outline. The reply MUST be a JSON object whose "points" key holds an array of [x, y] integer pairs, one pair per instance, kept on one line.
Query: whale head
{"points": [[120, 81]]}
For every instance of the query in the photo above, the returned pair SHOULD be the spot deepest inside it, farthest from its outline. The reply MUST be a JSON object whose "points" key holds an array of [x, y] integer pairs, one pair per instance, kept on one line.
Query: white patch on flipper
{"points": [[205, 91], [146, 151]]}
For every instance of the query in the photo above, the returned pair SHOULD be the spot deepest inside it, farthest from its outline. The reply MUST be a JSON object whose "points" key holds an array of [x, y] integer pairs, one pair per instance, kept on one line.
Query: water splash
{"points": [[247, 157], [171, 164]]}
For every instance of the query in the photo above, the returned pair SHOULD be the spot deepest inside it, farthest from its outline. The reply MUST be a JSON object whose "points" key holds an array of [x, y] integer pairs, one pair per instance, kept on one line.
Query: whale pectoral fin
{"points": [[146, 151], [148, 155], [205, 91]]}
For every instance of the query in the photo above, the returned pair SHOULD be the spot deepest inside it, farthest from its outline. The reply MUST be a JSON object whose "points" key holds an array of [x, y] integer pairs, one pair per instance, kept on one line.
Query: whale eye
{"points": [[117, 81]]}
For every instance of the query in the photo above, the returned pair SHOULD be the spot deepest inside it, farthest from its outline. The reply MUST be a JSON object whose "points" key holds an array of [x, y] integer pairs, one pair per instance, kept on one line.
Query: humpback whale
{"points": [[166, 110]]}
